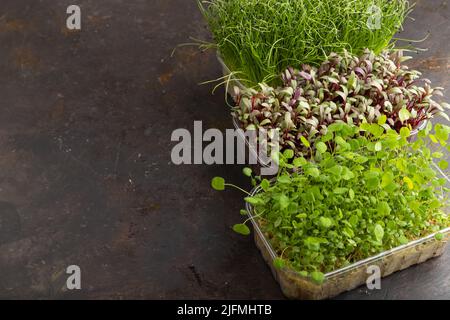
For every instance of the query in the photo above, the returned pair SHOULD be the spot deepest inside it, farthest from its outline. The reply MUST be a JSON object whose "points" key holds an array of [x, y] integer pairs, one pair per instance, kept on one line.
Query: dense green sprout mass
{"points": [[364, 190], [261, 38], [363, 193]]}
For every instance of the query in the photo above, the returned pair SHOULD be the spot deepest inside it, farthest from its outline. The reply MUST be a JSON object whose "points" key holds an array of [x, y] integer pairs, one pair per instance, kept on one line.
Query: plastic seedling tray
{"points": [[294, 286]]}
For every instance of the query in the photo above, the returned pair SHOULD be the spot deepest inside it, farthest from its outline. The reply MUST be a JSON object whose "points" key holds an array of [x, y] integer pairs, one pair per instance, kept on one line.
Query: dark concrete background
{"points": [[85, 170]]}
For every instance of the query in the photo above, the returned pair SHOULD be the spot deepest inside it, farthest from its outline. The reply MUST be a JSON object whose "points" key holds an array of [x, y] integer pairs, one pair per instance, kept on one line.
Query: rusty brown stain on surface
{"points": [[124, 240], [57, 110], [147, 208], [15, 25], [24, 58], [66, 32], [184, 56], [187, 54], [97, 20], [165, 77], [440, 63]]}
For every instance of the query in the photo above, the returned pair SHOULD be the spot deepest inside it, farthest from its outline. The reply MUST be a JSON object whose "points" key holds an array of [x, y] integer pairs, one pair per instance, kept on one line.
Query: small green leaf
{"points": [[303, 273], [317, 277], [403, 239], [382, 120], [379, 232], [254, 201], [372, 183], [405, 132], [305, 141], [378, 146], [218, 183], [299, 162], [443, 164], [347, 174], [336, 127], [283, 201], [383, 208], [433, 138], [404, 114], [437, 155], [409, 183], [288, 154], [321, 147], [325, 222], [265, 184], [439, 236], [340, 141], [278, 263], [387, 179], [241, 229], [351, 194], [313, 172], [278, 222], [284, 179], [340, 190], [247, 172]]}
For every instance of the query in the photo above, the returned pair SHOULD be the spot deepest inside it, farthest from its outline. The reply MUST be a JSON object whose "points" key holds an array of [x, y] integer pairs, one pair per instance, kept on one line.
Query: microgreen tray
{"points": [[295, 286]]}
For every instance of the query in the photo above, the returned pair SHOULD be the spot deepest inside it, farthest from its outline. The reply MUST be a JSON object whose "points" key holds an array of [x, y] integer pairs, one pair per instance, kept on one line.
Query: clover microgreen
{"points": [[368, 191]]}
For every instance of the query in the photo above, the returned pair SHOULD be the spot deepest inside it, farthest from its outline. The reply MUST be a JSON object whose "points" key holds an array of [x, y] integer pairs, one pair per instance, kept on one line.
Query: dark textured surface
{"points": [[85, 170]]}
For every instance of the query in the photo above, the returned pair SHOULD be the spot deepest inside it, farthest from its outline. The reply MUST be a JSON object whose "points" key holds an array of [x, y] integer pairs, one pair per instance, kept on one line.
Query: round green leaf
{"points": [[443, 164], [313, 172], [321, 147], [241, 229], [405, 132], [325, 222], [278, 263], [317, 277], [284, 179], [288, 154], [218, 183], [439, 236], [437, 155], [383, 208], [299, 162], [382, 120], [247, 172]]}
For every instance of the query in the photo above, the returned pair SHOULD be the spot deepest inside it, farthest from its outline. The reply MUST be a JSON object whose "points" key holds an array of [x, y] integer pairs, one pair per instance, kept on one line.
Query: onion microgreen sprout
{"points": [[261, 38]]}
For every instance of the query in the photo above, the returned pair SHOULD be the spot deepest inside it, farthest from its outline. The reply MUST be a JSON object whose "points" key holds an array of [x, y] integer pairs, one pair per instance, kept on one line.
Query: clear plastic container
{"points": [[294, 286], [233, 82]]}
